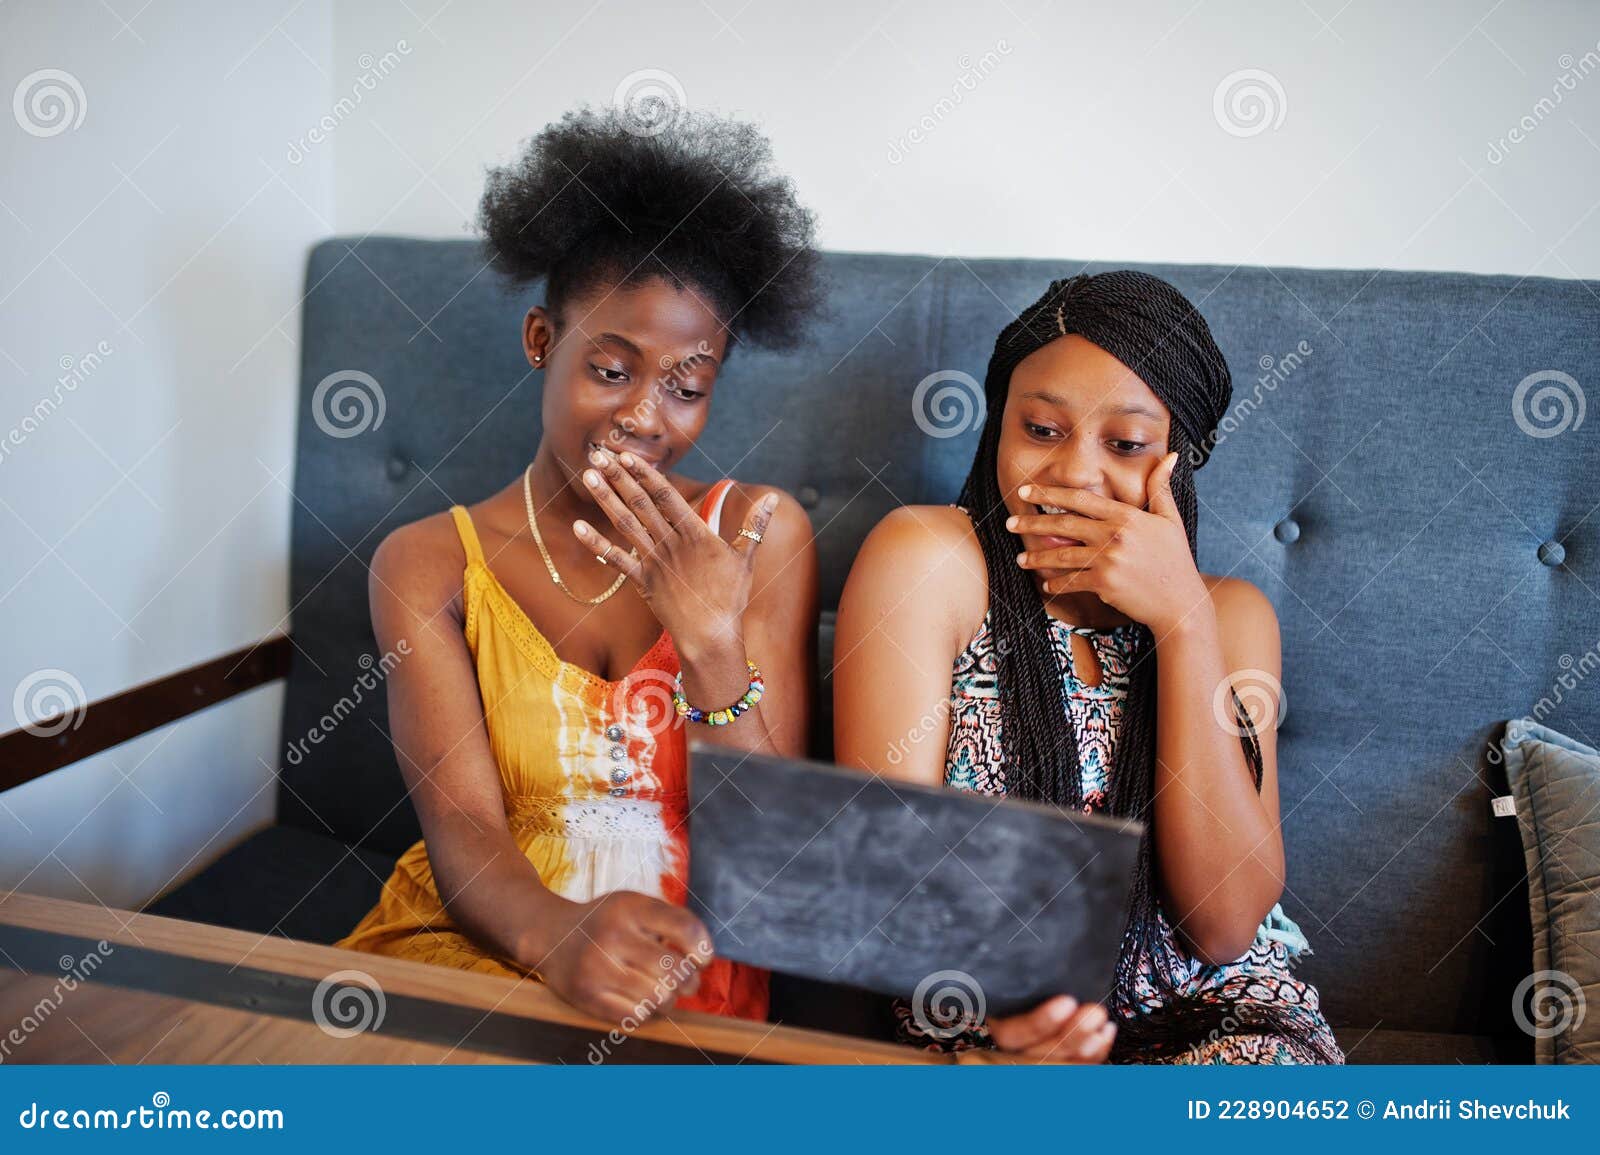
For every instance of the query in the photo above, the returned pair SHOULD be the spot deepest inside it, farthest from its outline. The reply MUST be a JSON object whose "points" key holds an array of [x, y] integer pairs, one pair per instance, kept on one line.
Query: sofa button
{"points": [[397, 467], [808, 497], [1552, 552], [1287, 530]]}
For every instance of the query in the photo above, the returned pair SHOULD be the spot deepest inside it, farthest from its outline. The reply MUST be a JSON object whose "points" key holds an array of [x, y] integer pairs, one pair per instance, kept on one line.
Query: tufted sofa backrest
{"points": [[1389, 476]]}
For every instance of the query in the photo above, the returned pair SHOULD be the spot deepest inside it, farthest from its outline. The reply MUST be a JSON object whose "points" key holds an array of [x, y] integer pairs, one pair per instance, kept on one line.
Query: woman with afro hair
{"points": [[562, 626]]}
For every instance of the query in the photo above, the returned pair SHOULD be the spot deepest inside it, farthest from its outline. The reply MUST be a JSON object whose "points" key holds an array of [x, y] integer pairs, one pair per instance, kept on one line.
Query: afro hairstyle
{"points": [[592, 202]]}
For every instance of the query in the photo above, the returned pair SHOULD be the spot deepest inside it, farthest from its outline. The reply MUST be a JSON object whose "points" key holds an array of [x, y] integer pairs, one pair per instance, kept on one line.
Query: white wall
{"points": [[144, 515], [144, 522], [1091, 132]]}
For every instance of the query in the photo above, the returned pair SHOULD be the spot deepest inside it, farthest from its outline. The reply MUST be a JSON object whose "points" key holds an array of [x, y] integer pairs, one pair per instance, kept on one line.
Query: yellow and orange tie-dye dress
{"points": [[594, 775]]}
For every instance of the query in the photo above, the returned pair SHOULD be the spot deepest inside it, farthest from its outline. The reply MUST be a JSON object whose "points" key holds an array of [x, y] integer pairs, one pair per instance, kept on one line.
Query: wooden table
{"points": [[162, 990]]}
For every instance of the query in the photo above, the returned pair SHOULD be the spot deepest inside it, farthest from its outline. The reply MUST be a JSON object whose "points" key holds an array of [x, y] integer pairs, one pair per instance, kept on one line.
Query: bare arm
{"points": [[718, 595], [909, 597], [1218, 840], [437, 725], [915, 597], [777, 633], [600, 956]]}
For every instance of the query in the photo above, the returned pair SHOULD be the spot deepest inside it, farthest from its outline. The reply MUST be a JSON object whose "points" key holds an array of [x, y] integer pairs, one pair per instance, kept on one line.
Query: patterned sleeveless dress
{"points": [[975, 761], [594, 777]]}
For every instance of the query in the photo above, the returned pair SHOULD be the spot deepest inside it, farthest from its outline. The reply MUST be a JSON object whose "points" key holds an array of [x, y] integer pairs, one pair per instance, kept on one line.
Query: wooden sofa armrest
{"points": [[34, 751]]}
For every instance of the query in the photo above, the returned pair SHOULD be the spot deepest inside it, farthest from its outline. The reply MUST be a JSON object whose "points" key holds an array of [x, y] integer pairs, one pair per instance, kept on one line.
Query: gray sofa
{"points": [[1429, 557]]}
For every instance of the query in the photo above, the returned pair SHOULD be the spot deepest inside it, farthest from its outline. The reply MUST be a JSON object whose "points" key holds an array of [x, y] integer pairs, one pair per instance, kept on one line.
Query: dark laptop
{"points": [[847, 877]]}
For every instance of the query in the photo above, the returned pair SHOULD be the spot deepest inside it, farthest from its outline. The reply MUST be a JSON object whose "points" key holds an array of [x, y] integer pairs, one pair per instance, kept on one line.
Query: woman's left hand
{"points": [[1135, 560], [1058, 1030], [696, 584]]}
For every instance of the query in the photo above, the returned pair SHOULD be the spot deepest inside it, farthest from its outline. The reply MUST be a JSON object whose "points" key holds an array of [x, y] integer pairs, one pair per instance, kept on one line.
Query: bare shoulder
{"points": [[789, 523], [1245, 617], [928, 554], [937, 535], [418, 565]]}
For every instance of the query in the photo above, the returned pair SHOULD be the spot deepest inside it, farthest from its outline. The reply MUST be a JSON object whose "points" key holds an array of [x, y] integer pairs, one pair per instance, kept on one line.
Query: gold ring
{"points": [[751, 534]]}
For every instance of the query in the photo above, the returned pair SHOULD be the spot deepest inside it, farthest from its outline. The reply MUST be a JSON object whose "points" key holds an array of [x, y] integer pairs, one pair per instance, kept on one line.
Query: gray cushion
{"points": [[1556, 783], [1369, 1046], [283, 880], [1417, 500]]}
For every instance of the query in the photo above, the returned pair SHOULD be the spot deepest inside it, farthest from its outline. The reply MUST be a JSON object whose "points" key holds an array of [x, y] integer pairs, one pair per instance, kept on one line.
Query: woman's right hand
{"points": [[625, 955], [1058, 1030]]}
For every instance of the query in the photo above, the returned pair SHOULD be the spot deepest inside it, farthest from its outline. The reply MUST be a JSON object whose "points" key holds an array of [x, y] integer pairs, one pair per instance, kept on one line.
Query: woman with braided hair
{"points": [[1057, 623]]}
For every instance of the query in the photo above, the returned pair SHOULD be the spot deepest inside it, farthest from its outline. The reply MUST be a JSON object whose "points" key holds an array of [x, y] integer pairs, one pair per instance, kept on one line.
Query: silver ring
{"points": [[751, 534], [601, 557]]}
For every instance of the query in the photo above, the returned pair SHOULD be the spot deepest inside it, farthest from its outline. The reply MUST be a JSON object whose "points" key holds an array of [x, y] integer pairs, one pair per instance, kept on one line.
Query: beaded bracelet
{"points": [[719, 717]]}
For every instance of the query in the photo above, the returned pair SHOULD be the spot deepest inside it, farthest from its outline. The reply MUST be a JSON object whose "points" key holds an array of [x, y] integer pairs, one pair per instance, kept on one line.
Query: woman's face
{"points": [[1076, 416], [630, 367]]}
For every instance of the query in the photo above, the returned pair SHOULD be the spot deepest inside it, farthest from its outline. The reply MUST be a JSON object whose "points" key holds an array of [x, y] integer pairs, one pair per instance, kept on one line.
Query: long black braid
{"points": [[1154, 330]]}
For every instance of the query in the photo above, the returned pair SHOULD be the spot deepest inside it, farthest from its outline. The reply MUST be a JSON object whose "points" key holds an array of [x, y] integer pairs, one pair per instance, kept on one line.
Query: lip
{"points": [[1050, 540], [653, 461]]}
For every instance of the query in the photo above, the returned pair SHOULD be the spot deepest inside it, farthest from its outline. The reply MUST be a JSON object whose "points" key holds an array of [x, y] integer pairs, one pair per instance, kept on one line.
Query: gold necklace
{"points": [[533, 524]]}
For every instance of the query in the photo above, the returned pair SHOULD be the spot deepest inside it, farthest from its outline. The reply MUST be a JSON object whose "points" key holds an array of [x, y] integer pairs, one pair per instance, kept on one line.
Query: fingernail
{"points": [[591, 477], [581, 528], [769, 503], [1067, 1008], [1022, 559], [627, 459], [1011, 522], [596, 457], [1025, 491]]}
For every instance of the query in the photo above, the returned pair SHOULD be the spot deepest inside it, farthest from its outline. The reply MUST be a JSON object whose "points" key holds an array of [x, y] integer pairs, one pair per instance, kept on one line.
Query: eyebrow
{"points": [[1126, 409], [619, 339]]}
